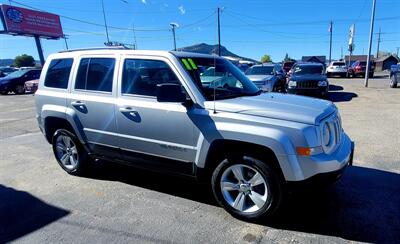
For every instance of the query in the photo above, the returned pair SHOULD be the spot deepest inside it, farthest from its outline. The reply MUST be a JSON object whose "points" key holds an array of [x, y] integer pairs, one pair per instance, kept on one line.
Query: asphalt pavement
{"points": [[41, 203]]}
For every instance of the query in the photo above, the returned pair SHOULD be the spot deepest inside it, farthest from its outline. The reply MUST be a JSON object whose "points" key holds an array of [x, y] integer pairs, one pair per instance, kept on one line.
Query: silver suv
{"points": [[157, 110]]}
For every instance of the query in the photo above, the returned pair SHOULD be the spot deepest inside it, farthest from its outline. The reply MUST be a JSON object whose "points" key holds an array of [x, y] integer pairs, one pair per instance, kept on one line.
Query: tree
{"points": [[266, 58], [287, 58], [24, 60]]}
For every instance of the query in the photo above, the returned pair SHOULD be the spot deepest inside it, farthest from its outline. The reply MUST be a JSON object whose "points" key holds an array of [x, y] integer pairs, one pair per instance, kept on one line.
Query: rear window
{"points": [[95, 74], [338, 64], [57, 75]]}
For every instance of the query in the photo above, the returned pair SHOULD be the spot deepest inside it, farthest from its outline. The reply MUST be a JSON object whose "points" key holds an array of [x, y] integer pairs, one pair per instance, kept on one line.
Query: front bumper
{"points": [[303, 167]]}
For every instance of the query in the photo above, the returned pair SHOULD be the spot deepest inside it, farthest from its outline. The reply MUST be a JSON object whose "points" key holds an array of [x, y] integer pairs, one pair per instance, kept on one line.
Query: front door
{"points": [[163, 132]]}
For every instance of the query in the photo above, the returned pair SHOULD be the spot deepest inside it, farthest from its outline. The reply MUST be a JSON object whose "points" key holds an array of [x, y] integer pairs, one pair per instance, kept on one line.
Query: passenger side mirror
{"points": [[171, 93]]}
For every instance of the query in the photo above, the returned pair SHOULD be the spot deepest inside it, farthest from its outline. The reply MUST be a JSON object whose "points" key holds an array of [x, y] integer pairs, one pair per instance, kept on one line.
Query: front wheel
{"points": [[246, 187], [19, 89], [393, 83], [69, 152]]}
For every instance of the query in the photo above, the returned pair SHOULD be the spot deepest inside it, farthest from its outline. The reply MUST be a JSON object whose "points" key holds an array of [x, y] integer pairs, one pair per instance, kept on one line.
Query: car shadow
{"points": [[363, 206], [22, 213], [336, 94]]}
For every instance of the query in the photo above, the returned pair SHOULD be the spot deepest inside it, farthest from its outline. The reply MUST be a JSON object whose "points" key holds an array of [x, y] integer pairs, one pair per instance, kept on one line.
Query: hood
{"points": [[278, 106], [308, 77], [259, 77]]}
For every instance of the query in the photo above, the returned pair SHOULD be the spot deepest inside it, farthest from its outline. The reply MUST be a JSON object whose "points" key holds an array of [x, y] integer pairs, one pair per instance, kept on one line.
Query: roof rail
{"points": [[95, 48]]}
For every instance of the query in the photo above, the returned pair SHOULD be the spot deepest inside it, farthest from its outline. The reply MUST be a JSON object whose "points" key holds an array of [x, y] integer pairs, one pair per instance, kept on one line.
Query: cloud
{"points": [[182, 10], [144, 2]]}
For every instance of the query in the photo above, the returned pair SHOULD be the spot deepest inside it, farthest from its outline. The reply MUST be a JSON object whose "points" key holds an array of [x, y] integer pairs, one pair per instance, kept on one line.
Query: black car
{"points": [[307, 79], [15, 81]]}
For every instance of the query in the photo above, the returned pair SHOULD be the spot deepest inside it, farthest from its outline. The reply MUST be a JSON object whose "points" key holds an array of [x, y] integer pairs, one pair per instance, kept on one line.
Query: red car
{"points": [[358, 69], [31, 85]]}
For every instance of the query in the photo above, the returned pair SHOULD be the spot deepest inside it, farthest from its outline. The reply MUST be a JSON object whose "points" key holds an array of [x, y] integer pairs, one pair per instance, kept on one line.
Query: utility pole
{"points": [[105, 21], [379, 41], [65, 37], [173, 26], [219, 34], [341, 52], [330, 41], [371, 32], [134, 37]]}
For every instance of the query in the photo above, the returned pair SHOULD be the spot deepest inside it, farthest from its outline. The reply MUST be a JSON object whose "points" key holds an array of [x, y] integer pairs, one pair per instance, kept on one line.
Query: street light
{"points": [[173, 26]]}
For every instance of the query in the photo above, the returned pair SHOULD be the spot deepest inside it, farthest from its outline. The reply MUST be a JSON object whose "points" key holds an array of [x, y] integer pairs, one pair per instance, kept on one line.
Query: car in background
{"points": [[243, 67], [357, 69], [267, 77], [6, 71], [31, 86], [308, 79], [336, 68], [287, 65], [15, 82], [394, 75]]}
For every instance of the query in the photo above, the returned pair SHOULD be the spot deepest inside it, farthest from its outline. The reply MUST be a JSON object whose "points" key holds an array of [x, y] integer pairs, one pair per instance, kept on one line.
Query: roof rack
{"points": [[95, 48]]}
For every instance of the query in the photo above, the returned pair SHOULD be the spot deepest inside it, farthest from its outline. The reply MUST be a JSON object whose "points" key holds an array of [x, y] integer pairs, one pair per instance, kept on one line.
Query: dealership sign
{"points": [[27, 22]]}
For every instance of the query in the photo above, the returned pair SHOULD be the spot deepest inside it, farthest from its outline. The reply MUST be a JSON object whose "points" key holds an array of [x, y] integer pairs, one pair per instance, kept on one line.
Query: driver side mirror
{"points": [[171, 93]]}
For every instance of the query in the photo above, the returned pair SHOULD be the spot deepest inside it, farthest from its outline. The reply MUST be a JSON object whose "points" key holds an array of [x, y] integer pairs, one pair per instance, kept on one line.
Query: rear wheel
{"points": [[246, 187], [69, 153], [19, 89]]}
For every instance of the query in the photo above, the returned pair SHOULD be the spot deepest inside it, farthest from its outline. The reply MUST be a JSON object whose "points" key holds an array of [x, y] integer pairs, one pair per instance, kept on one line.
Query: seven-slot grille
{"points": [[307, 84], [335, 131]]}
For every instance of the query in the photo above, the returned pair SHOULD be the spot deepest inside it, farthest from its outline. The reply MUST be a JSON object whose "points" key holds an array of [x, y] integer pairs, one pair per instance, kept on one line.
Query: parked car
{"points": [[308, 78], [394, 75], [358, 68], [267, 77], [31, 85], [153, 109], [15, 81], [287, 65], [337, 68]]}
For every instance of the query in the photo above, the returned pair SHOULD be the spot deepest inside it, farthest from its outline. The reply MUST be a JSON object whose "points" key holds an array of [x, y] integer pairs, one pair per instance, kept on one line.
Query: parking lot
{"points": [[39, 202]]}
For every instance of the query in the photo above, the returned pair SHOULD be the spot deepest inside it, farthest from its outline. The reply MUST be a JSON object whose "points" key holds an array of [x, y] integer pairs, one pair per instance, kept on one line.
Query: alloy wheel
{"points": [[244, 188], [67, 152]]}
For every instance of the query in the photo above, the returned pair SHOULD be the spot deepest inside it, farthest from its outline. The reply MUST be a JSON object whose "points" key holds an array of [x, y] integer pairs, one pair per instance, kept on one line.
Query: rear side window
{"points": [[57, 75], [141, 77], [95, 74]]}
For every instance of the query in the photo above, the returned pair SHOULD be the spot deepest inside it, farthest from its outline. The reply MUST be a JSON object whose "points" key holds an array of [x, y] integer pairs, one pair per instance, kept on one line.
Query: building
{"points": [[356, 57], [384, 63], [315, 59]]}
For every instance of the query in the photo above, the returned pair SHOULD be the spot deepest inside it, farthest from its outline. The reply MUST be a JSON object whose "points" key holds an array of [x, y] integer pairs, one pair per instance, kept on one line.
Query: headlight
{"points": [[322, 83], [292, 83], [326, 135]]}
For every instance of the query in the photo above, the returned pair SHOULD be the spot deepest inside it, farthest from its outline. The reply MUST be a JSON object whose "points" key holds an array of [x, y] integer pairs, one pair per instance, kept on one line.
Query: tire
{"points": [[237, 198], [19, 89], [70, 154], [393, 83], [3, 92]]}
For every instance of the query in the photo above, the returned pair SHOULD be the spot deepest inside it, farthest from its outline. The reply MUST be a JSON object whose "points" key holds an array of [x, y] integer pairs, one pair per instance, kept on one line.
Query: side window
{"points": [[95, 74], [141, 77], [57, 75]]}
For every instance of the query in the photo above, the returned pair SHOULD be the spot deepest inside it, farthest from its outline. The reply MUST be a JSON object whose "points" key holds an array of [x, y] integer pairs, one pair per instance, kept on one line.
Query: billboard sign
{"points": [[27, 22]]}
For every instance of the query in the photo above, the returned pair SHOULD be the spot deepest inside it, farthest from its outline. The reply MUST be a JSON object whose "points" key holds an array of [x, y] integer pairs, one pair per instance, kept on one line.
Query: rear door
{"points": [[92, 99]]}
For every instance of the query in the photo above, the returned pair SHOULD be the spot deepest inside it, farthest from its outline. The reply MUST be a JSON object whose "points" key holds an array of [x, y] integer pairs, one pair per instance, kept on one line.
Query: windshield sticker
{"points": [[192, 63], [185, 62]]}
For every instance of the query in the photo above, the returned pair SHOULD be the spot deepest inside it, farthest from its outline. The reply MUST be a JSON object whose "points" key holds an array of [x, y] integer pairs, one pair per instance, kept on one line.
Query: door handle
{"points": [[78, 104], [127, 110]]}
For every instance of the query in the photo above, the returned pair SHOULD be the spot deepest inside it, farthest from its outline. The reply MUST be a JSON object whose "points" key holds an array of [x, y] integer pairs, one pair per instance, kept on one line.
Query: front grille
{"points": [[335, 127], [307, 84]]}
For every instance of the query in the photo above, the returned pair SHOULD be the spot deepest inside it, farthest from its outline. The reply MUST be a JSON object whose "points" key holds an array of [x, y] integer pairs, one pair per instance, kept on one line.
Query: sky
{"points": [[248, 28]]}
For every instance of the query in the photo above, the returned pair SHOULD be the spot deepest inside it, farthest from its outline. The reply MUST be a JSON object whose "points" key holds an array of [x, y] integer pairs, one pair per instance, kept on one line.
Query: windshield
{"points": [[220, 77], [17, 74], [260, 70], [308, 69]]}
